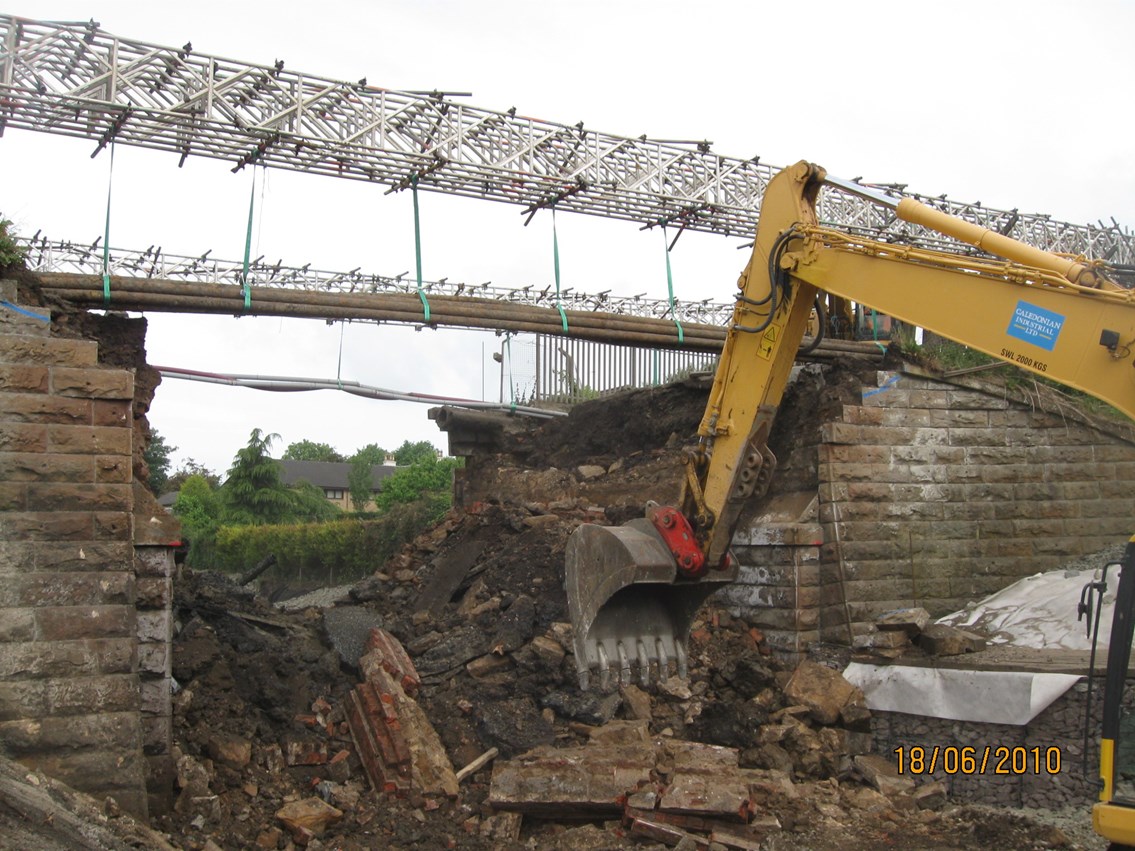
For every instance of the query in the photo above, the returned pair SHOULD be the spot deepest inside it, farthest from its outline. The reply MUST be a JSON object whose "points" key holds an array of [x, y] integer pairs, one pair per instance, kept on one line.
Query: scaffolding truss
{"points": [[75, 79], [47, 256]]}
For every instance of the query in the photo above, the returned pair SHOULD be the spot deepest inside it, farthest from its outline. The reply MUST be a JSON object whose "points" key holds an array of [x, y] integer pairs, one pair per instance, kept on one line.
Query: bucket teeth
{"points": [[643, 663], [663, 660], [629, 608], [624, 666], [604, 669]]}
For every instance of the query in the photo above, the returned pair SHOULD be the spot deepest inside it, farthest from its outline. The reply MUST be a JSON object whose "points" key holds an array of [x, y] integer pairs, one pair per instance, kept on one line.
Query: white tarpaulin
{"points": [[1039, 611], [992, 697]]}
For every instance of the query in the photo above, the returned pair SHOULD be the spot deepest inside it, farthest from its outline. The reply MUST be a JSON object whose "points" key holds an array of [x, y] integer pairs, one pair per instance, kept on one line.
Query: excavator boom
{"points": [[633, 591]]}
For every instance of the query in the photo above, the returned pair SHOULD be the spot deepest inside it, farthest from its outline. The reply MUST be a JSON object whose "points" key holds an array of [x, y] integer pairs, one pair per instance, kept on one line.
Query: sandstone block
{"points": [[823, 690], [18, 378], [117, 384], [68, 496], [89, 440], [112, 412], [49, 351], [23, 437], [42, 408], [882, 774], [66, 623], [44, 467], [943, 640], [310, 814], [233, 751]]}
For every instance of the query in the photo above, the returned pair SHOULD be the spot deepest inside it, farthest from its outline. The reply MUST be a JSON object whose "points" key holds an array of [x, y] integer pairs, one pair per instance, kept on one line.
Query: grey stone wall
{"points": [[1059, 726], [911, 491], [86, 562]]}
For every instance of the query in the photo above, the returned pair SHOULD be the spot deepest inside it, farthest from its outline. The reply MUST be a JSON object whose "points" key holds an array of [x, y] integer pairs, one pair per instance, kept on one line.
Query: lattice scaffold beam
{"points": [[76, 79], [152, 263]]}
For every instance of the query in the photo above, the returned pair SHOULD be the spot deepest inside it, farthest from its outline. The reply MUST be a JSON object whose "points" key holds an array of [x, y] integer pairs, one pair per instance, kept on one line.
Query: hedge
{"points": [[329, 552]]}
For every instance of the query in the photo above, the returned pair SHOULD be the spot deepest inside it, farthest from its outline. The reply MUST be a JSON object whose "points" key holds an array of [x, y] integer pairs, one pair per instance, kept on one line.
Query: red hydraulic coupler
{"points": [[676, 531]]}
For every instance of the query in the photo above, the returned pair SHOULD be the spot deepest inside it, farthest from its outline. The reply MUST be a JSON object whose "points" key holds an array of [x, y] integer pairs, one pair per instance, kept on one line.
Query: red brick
{"points": [[304, 752], [69, 623], [29, 408], [58, 496], [23, 437], [90, 440], [49, 351], [385, 651], [92, 383]]}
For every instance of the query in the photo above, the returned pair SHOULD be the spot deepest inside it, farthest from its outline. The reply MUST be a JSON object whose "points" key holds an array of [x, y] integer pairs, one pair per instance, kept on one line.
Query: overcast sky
{"points": [[1014, 104]]}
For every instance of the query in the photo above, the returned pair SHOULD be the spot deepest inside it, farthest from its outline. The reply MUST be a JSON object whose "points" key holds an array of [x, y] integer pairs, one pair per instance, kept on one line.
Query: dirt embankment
{"points": [[478, 604]]}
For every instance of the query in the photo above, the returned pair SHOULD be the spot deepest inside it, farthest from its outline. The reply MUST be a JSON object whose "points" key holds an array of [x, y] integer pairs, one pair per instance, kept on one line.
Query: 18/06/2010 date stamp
{"points": [[990, 759]]}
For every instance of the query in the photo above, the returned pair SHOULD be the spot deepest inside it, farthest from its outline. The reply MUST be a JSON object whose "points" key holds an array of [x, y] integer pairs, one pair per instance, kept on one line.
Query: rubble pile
{"points": [[437, 704], [894, 634]]}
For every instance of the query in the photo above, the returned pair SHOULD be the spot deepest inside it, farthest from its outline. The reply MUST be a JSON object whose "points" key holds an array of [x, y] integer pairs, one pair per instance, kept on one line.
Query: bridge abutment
{"points": [[85, 567]]}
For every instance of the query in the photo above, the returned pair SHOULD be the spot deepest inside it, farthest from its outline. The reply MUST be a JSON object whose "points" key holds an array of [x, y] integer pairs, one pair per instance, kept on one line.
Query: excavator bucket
{"points": [[630, 610]]}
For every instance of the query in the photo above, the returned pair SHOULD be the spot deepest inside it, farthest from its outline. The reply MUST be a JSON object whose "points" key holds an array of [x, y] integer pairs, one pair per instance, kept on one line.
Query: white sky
{"points": [[1014, 104]]}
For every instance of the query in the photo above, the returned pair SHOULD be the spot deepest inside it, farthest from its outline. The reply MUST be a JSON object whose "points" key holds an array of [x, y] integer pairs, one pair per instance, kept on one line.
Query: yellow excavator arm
{"points": [[1056, 316], [633, 590]]}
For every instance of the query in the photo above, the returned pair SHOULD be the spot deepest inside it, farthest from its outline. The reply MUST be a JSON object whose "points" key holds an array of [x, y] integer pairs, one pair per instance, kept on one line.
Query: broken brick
{"points": [[385, 651], [304, 752]]}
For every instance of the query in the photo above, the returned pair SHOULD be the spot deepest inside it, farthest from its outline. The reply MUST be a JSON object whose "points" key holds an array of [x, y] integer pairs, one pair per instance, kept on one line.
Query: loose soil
{"points": [[254, 678]]}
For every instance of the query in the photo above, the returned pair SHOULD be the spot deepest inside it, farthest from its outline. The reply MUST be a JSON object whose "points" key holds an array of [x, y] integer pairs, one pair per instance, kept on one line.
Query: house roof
{"points": [[329, 474]]}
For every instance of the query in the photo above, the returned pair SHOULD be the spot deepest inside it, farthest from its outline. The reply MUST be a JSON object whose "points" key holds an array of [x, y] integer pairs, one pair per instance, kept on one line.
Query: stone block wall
{"points": [[1060, 727], [925, 493], [84, 613], [931, 494], [779, 582]]}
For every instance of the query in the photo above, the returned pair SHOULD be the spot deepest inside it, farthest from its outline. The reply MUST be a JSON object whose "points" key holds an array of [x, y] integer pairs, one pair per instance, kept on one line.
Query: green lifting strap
{"points": [[556, 260], [106, 233], [875, 328], [511, 385], [418, 248], [670, 287], [248, 244]]}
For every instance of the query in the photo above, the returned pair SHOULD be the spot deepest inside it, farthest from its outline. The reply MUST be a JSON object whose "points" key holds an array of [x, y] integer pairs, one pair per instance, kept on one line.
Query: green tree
{"points": [[360, 482], [11, 252], [430, 474], [156, 455], [411, 453], [310, 505], [199, 508], [253, 492], [372, 453], [191, 468], [308, 450]]}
